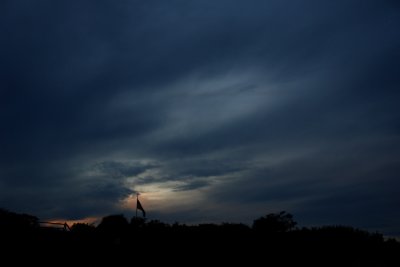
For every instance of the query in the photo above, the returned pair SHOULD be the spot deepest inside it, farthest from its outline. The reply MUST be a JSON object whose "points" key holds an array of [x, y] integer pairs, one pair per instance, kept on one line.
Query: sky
{"points": [[215, 111]]}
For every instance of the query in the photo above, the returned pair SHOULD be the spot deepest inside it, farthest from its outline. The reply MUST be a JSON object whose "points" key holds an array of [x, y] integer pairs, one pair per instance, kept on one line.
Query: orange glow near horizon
{"points": [[88, 220]]}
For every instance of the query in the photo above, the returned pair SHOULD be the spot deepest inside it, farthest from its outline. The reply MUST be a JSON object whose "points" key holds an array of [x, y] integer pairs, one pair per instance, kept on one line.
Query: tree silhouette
{"points": [[272, 238], [137, 222], [82, 228], [13, 221], [275, 223], [115, 225]]}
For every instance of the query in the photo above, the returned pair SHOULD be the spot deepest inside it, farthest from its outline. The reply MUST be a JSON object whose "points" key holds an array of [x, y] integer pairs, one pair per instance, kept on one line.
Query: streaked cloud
{"points": [[213, 110]]}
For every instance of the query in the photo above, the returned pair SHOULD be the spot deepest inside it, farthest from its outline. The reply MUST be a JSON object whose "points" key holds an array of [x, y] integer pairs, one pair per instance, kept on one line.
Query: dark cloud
{"points": [[204, 167], [117, 169], [284, 103], [59, 192], [192, 185], [367, 204]]}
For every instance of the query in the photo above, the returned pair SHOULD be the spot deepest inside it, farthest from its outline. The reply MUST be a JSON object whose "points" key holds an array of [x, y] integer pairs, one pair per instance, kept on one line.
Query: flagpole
{"points": [[137, 196]]}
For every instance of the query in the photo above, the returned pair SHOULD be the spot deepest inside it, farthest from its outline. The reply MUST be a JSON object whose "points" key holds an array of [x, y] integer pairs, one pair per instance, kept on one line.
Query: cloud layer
{"points": [[214, 110]]}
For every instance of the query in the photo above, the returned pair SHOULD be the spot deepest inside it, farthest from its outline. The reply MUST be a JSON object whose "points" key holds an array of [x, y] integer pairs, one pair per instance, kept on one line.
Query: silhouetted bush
{"points": [[113, 224], [275, 223], [156, 225], [83, 228], [273, 240], [137, 222], [13, 221]]}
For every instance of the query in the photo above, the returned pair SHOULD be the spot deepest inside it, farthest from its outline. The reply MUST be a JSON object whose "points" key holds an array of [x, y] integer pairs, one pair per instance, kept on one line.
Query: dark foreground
{"points": [[272, 241]]}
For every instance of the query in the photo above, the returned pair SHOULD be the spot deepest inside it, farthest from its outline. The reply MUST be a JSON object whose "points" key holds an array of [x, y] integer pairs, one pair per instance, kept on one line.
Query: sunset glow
{"points": [[210, 110]]}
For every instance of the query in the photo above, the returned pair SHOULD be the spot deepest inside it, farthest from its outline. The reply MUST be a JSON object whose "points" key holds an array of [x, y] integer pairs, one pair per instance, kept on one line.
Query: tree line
{"points": [[271, 239]]}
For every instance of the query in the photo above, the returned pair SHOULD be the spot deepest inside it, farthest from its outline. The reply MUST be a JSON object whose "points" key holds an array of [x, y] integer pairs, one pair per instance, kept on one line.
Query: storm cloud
{"points": [[213, 110]]}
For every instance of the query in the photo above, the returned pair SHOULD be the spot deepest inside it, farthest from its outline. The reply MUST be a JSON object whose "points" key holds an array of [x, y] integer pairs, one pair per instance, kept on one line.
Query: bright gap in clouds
{"points": [[194, 106]]}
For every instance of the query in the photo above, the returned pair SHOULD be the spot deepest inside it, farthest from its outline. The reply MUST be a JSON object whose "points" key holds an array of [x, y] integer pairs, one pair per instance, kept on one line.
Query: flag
{"points": [[139, 207]]}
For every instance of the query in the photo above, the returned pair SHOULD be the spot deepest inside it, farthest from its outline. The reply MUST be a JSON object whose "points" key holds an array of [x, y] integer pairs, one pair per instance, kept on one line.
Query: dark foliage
{"points": [[114, 224], [273, 240], [10, 220], [275, 223]]}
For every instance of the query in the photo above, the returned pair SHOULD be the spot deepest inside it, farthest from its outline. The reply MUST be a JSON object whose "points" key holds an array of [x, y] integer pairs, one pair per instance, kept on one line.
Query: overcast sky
{"points": [[214, 111]]}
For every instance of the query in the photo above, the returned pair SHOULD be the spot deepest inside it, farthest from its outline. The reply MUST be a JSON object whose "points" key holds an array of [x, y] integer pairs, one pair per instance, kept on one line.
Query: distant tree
{"points": [[137, 222], [82, 228], [275, 223], [10, 220], [234, 227], [157, 225], [113, 224]]}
